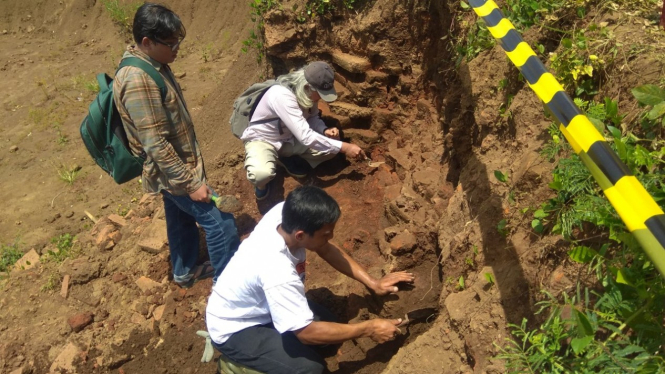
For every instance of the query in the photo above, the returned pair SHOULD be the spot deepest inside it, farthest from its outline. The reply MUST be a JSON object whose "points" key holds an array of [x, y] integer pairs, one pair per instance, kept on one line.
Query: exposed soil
{"points": [[432, 208]]}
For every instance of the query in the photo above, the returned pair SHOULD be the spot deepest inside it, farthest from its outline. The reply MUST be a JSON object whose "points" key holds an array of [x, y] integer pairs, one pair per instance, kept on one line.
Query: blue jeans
{"points": [[182, 213]]}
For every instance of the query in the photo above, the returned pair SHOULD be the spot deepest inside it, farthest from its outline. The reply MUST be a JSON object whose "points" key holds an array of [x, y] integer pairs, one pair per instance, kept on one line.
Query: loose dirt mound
{"points": [[432, 208]]}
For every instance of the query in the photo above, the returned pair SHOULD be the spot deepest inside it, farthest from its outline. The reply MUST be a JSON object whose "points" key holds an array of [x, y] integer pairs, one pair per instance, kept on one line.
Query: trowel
{"points": [[373, 164], [418, 315]]}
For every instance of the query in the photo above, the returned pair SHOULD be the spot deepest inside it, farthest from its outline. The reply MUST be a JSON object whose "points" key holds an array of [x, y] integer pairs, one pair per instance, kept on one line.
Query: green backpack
{"points": [[103, 133]]}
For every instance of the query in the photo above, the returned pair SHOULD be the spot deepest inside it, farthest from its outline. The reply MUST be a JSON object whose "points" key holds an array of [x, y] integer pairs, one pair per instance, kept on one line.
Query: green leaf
{"points": [[537, 226], [556, 185], [500, 176], [489, 277], [582, 254], [579, 344], [461, 282], [540, 213], [598, 124], [622, 277], [566, 42], [649, 94], [583, 325], [464, 5], [657, 111], [501, 226], [616, 133]]}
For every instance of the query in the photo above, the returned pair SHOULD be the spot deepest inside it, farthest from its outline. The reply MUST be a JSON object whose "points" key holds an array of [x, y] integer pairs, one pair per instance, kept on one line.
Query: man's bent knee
{"points": [[260, 176]]}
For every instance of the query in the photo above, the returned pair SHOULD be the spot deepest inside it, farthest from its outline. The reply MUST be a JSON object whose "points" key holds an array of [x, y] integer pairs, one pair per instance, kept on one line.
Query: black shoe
{"points": [[294, 165]]}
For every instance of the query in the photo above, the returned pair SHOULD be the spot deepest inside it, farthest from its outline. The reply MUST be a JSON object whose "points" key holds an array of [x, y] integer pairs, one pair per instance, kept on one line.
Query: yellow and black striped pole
{"points": [[635, 206]]}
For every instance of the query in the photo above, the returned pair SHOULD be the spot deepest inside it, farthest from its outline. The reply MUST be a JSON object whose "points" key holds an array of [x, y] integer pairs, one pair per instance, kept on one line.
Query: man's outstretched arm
{"points": [[346, 265], [318, 333]]}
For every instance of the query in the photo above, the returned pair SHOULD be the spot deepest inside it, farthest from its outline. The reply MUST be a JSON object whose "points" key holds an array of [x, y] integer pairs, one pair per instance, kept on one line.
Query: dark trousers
{"points": [[264, 349]]}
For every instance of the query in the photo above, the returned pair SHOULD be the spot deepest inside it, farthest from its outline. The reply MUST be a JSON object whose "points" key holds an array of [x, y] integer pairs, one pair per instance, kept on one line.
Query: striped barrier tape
{"points": [[635, 206]]}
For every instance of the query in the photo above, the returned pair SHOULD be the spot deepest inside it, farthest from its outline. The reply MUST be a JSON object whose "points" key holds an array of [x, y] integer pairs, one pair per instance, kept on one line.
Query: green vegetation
{"points": [[473, 37], [460, 283], [615, 323], [9, 254], [322, 7], [255, 39], [583, 58], [121, 14], [52, 282], [312, 8], [81, 82], [64, 245], [207, 52], [68, 174], [579, 199], [254, 42]]}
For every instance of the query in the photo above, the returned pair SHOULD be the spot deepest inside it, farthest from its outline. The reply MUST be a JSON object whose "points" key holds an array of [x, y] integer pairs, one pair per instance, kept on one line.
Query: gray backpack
{"points": [[245, 104]]}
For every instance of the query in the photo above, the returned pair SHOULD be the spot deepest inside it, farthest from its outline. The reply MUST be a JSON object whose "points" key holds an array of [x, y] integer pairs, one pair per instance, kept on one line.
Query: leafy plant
{"points": [[9, 254], [616, 325], [68, 174], [500, 176], [254, 41], [62, 138], [538, 220], [207, 52], [579, 199], [490, 278], [526, 13], [460, 283], [120, 14], [583, 58], [63, 248], [52, 282], [619, 330], [501, 227], [322, 7], [474, 37], [82, 82], [653, 120]]}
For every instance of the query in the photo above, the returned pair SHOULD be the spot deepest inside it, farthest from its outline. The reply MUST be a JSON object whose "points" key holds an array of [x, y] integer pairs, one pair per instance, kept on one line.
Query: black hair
{"points": [[156, 21], [308, 208]]}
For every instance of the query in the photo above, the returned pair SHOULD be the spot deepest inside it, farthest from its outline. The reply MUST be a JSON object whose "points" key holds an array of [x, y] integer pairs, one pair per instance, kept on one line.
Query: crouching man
{"points": [[285, 128], [258, 315]]}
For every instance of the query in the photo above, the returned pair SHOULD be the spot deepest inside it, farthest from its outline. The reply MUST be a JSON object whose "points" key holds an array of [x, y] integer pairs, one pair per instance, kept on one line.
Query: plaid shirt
{"points": [[163, 130]]}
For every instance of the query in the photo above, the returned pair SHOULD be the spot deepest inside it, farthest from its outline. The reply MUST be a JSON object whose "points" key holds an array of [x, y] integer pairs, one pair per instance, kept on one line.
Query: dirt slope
{"points": [[432, 208]]}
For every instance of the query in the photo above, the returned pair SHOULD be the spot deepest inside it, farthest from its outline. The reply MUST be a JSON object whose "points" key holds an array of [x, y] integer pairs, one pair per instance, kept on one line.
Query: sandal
{"points": [[200, 272]]}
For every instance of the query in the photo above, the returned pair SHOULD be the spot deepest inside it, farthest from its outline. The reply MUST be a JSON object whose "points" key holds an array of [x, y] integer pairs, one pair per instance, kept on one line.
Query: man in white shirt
{"points": [[258, 315], [285, 128]]}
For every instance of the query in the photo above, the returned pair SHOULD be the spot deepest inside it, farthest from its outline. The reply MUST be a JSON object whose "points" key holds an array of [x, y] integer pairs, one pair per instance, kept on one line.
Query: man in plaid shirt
{"points": [[174, 165]]}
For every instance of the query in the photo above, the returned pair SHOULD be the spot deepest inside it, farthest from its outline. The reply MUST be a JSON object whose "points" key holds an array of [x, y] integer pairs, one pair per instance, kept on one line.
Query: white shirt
{"points": [[296, 122], [262, 283]]}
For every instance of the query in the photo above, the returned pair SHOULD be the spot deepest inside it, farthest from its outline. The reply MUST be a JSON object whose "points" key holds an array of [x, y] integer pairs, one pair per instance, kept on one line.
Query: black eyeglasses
{"points": [[172, 46]]}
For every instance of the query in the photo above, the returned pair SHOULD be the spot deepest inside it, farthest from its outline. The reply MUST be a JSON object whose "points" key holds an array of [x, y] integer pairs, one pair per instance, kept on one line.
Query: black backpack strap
{"points": [[149, 69]]}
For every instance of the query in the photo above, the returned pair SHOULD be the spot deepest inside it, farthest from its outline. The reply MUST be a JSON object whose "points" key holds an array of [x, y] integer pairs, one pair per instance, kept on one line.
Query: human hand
{"points": [[201, 195], [353, 151], [387, 284], [332, 132], [383, 330]]}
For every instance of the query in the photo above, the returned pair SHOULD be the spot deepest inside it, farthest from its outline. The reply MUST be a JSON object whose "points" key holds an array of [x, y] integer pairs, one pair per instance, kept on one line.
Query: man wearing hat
{"points": [[286, 129]]}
